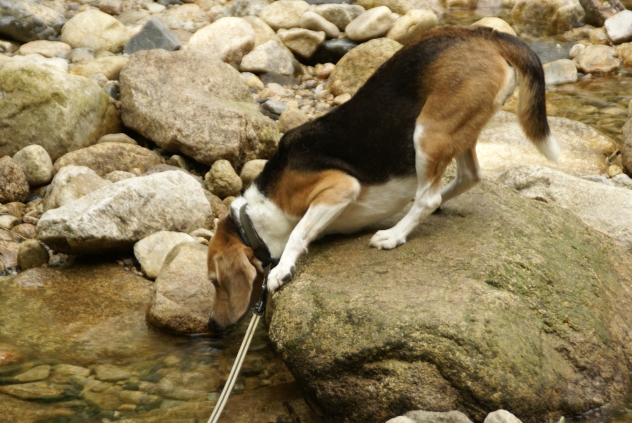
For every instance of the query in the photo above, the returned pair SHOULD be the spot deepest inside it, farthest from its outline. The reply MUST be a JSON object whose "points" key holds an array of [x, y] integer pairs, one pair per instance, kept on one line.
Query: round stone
{"points": [[222, 180], [36, 164]]}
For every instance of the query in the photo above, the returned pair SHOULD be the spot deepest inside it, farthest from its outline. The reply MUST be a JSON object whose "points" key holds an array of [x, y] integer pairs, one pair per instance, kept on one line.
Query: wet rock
{"points": [[15, 410], [110, 373], [166, 388], [31, 254], [152, 251], [359, 64], [597, 59], [106, 400], [95, 30], [273, 106], [25, 20], [109, 66], [501, 416], [9, 254], [371, 24], [109, 219], [561, 71], [413, 23], [594, 203], [558, 15], [26, 230], [268, 57], [222, 180], [496, 23], [33, 391], [290, 119], [9, 355], [107, 157], [33, 375], [36, 164], [139, 398], [502, 140], [13, 184], [315, 22], [437, 417], [227, 39], [196, 106], [183, 294], [7, 221], [122, 138], [71, 183], [284, 14], [68, 369], [250, 171], [45, 48], [499, 316], [619, 27], [331, 51], [58, 111], [301, 41], [154, 34], [339, 14]]}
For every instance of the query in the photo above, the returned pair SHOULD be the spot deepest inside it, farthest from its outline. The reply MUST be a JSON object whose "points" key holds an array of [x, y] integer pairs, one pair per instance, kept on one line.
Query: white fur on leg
{"points": [[549, 149]]}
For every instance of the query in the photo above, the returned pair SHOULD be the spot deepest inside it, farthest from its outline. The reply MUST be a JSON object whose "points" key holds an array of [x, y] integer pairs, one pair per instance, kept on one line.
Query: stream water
{"points": [[179, 378]]}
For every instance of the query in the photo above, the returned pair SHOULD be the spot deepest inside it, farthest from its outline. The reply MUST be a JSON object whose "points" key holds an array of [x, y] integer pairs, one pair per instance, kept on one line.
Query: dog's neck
{"points": [[272, 225]]}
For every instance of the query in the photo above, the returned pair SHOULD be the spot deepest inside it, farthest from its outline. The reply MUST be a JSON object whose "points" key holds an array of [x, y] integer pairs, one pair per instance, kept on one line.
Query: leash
{"points": [[257, 313]]}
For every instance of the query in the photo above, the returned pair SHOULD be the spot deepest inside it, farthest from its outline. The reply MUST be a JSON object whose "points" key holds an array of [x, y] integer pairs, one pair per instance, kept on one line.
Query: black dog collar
{"points": [[251, 239]]}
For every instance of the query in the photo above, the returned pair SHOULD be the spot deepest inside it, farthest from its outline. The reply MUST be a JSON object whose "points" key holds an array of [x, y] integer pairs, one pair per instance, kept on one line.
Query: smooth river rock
{"points": [[152, 251], [115, 217], [497, 302]]}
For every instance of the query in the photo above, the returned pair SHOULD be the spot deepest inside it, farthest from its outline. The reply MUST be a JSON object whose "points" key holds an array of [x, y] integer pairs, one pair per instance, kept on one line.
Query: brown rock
{"points": [[9, 355], [9, 253], [26, 230], [13, 185], [31, 254], [15, 209], [290, 119]]}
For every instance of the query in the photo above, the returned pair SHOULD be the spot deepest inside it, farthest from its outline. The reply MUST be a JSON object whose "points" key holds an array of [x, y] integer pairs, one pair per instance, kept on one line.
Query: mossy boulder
{"points": [[496, 302], [46, 106]]}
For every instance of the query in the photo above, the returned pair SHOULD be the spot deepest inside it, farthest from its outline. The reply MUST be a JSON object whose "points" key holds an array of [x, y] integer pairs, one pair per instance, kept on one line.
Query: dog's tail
{"points": [[532, 101]]}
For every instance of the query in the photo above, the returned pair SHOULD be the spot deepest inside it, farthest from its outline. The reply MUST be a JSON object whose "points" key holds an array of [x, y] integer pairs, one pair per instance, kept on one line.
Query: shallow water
{"points": [[85, 332]]}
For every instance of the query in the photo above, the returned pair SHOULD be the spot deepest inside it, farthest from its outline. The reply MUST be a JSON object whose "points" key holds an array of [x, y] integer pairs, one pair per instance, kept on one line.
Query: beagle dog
{"points": [[367, 159]]}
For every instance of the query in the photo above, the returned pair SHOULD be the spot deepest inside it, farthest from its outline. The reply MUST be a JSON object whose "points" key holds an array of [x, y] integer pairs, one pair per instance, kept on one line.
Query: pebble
{"points": [[155, 8], [95, 30], [33, 375], [276, 89], [342, 99], [373, 23], [228, 39], [331, 51], [110, 373], [315, 22], [575, 50], [303, 42], [36, 164], [290, 119], [120, 137], [111, 7], [619, 27], [273, 106], [284, 14], [29, 21], [33, 391], [222, 180]]}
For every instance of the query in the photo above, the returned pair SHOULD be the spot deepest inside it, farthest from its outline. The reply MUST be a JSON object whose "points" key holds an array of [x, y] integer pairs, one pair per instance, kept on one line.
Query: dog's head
{"points": [[233, 269]]}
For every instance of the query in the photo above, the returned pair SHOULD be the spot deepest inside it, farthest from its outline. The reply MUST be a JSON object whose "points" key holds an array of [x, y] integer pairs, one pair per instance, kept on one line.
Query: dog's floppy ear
{"points": [[233, 275]]}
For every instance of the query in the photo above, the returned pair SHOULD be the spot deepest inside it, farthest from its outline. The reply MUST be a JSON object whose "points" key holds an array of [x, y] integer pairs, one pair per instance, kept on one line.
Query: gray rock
{"points": [[13, 184], [501, 416], [107, 157], [561, 71], [117, 216], [284, 14], [26, 20], [301, 41], [371, 24], [154, 34], [222, 180], [36, 164], [268, 57], [250, 171], [69, 369], [607, 209], [183, 294], [274, 106], [619, 27], [32, 254], [95, 30], [496, 290], [331, 51], [70, 184], [152, 251], [48, 107], [437, 417], [104, 400], [205, 111], [33, 375]]}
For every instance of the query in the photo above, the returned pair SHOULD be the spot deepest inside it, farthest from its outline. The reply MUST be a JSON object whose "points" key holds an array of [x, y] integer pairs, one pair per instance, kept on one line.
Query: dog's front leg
{"points": [[323, 210]]}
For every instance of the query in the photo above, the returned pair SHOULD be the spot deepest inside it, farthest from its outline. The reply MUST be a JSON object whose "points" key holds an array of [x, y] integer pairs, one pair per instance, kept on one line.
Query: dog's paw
{"points": [[278, 276], [387, 239]]}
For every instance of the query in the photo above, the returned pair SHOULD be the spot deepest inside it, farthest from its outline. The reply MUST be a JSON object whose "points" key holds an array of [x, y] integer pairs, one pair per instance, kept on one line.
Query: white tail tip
{"points": [[549, 149]]}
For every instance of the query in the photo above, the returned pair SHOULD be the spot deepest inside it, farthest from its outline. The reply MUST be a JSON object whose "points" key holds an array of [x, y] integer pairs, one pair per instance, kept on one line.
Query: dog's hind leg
{"points": [[428, 195], [468, 174]]}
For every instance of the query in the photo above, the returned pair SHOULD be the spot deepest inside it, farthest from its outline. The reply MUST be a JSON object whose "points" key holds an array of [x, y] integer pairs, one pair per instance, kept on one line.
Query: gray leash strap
{"points": [[257, 313]]}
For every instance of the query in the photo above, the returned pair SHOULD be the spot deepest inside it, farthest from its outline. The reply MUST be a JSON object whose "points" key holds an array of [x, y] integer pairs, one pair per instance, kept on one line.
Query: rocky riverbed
{"points": [[128, 126]]}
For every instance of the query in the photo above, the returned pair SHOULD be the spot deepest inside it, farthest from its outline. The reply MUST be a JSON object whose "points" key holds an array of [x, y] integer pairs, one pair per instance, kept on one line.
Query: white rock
{"points": [[607, 209], [495, 23], [268, 57], [117, 216], [36, 164], [152, 251], [284, 14], [501, 416], [45, 48], [155, 8], [339, 14], [301, 41], [70, 184], [371, 24], [250, 171], [315, 22], [561, 71], [575, 50], [619, 27], [54, 62], [95, 30], [227, 39], [8, 221], [413, 23]]}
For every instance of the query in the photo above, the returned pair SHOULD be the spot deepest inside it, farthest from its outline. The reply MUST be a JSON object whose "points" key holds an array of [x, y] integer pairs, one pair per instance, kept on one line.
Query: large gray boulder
{"points": [[46, 106], [605, 208], [25, 20], [199, 106], [118, 215], [499, 301]]}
